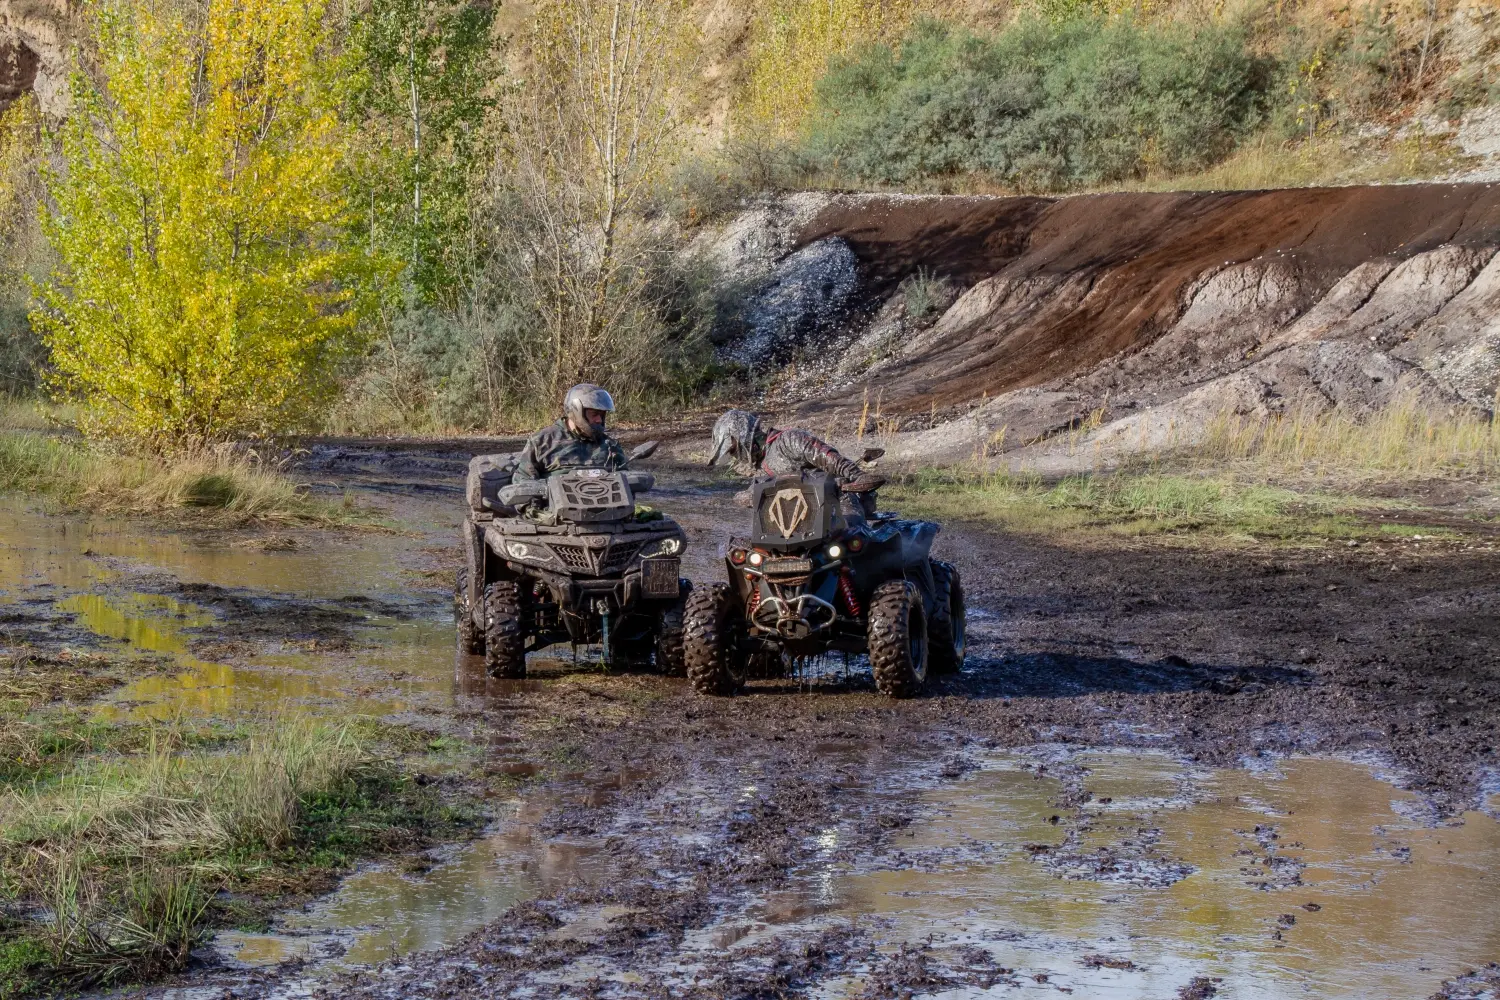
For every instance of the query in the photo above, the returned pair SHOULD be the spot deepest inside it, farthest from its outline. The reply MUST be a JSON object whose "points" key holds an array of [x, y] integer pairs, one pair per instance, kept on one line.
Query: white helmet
{"points": [[586, 396]]}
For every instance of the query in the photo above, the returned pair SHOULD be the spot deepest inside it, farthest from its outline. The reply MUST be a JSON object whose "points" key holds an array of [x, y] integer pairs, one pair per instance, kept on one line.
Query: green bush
{"points": [[1043, 104]]}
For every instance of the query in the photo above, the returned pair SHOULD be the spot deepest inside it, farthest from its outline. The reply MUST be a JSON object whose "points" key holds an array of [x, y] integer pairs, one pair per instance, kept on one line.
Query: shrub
{"points": [[1043, 104], [203, 290]]}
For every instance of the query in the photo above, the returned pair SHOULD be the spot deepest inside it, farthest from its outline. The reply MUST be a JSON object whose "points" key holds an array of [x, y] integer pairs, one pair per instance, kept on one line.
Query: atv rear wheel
{"points": [[669, 632], [504, 630], [714, 665], [470, 639], [898, 639], [947, 629]]}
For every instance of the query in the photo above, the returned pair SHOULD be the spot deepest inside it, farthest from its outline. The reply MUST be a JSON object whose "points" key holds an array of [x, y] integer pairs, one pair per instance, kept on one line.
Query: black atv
{"points": [[572, 560], [812, 580]]}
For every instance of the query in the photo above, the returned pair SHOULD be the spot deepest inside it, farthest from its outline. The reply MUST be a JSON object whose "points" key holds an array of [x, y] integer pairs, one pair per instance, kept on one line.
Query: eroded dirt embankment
{"points": [[1159, 309]]}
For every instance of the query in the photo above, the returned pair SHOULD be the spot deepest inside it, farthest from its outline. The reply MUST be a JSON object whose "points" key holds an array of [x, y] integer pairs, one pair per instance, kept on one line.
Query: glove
{"points": [[865, 482]]}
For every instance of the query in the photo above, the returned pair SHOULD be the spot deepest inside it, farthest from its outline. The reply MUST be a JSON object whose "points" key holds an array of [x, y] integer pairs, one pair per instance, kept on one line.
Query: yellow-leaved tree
{"points": [[205, 288]]}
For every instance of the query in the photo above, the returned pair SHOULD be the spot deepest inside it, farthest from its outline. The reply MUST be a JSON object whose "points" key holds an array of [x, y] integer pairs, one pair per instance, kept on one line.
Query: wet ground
{"points": [[1165, 772]]}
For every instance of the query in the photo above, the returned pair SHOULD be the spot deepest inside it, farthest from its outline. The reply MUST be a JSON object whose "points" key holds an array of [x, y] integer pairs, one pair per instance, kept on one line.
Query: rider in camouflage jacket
{"points": [[577, 441], [555, 447]]}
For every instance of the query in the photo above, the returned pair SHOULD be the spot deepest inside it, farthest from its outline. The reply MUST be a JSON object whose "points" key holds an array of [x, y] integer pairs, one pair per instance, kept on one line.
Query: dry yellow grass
{"points": [[1401, 441], [1265, 163]]}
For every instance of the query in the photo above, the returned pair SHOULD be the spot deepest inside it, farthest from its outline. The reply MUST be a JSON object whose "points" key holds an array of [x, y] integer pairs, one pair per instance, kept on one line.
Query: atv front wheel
{"points": [[898, 639], [470, 639], [504, 631], [946, 630], [714, 665], [669, 631]]}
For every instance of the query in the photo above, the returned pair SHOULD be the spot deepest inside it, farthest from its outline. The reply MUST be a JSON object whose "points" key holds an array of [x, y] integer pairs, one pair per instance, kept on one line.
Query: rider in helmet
{"points": [[772, 452], [577, 441]]}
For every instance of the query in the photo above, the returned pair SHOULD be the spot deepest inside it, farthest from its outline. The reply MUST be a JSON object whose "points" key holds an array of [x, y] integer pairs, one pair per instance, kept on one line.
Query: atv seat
{"points": [[488, 475]]}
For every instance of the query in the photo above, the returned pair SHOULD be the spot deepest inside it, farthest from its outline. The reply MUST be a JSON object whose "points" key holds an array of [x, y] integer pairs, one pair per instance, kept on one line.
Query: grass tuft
{"points": [[127, 850], [230, 487], [122, 845]]}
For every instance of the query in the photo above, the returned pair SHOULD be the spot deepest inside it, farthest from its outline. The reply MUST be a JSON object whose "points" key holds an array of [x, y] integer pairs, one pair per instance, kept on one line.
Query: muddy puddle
{"points": [[1132, 875], [251, 629], [341, 626]]}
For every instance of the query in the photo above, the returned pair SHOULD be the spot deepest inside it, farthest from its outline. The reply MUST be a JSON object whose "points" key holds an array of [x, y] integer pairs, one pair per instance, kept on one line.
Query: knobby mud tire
{"points": [[714, 665], [470, 638], [898, 639], [669, 633], [504, 630], [947, 630]]}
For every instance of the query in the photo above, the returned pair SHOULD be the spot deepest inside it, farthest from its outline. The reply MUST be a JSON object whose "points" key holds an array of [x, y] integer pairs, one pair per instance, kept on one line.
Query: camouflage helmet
{"points": [[734, 434], [586, 396]]}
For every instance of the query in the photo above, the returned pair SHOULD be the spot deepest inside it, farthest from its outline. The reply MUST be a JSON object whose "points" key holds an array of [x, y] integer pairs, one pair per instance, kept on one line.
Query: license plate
{"points": [[787, 567], [659, 577]]}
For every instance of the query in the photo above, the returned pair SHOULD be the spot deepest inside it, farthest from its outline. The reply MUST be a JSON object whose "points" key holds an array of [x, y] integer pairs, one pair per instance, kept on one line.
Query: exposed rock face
{"points": [[802, 296], [34, 38], [1149, 314]]}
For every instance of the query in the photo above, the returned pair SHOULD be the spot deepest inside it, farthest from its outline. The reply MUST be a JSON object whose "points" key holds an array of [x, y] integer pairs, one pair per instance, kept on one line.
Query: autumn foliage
{"points": [[204, 288]]}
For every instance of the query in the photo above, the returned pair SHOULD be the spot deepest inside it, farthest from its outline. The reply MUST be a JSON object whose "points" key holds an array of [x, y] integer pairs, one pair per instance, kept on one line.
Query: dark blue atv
{"points": [[810, 580]]}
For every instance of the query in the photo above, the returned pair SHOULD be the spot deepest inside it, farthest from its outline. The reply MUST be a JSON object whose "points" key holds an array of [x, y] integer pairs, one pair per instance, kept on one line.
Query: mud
{"points": [[1160, 774]]}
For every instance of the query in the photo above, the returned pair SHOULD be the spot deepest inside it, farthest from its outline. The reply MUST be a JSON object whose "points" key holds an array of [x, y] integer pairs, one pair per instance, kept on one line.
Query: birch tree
{"points": [[590, 128]]}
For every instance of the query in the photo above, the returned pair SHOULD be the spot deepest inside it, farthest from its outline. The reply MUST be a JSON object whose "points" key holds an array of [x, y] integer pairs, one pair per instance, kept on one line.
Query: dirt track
{"points": [[685, 822]]}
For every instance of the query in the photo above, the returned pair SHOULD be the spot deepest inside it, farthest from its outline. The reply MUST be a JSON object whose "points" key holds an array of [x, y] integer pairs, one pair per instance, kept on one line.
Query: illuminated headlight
{"points": [[518, 550], [756, 559], [669, 547], [834, 551]]}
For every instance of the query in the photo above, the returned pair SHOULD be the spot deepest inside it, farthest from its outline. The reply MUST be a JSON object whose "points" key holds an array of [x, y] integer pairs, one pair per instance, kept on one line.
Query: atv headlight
{"points": [[520, 550], [756, 559], [834, 551], [668, 547]]}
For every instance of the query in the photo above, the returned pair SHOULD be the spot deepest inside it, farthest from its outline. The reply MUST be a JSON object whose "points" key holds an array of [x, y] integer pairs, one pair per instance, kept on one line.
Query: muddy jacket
{"points": [[788, 452], [556, 448]]}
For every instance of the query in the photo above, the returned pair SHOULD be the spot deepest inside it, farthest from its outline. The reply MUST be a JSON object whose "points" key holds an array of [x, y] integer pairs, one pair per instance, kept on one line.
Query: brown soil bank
{"points": [[1173, 303]]}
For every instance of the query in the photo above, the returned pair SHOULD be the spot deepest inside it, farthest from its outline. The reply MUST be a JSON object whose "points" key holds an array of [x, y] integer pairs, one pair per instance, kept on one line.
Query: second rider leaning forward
{"points": [[773, 452]]}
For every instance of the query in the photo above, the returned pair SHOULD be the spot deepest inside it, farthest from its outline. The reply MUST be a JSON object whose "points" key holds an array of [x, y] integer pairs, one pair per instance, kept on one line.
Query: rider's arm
{"points": [[529, 467], [816, 453]]}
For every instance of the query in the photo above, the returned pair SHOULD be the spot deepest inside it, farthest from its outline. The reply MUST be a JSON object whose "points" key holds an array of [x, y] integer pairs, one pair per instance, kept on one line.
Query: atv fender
{"points": [[475, 552]]}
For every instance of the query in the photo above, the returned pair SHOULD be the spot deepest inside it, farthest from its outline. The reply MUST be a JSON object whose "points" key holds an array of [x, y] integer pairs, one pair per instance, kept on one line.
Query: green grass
{"points": [[135, 840], [1296, 475], [222, 488], [1417, 531], [1127, 503]]}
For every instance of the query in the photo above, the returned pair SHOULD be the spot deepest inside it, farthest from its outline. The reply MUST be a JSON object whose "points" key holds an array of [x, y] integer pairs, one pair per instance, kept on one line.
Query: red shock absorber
{"points": [[846, 590], [754, 599]]}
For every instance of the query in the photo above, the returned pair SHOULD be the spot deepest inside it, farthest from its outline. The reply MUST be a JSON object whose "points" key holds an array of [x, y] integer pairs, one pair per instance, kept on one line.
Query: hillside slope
{"points": [[1145, 314]]}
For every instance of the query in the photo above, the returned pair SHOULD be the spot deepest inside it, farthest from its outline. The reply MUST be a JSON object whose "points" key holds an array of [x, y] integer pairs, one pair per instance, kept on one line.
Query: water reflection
{"points": [[381, 912], [1307, 880]]}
